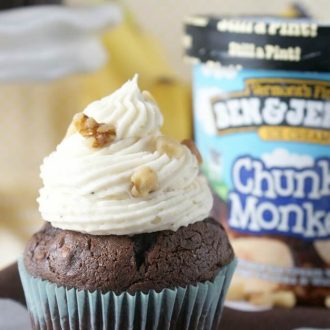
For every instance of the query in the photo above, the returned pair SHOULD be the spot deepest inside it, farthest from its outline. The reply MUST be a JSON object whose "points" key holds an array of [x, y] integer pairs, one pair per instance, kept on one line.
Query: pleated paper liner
{"points": [[193, 307]]}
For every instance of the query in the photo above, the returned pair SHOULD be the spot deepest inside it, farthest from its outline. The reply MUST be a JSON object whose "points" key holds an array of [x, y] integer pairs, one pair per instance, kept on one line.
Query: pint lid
{"points": [[258, 42]]}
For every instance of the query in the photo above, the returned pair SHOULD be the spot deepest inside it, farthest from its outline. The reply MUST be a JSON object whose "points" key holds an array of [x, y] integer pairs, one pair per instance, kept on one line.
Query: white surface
{"points": [[53, 41], [13, 316]]}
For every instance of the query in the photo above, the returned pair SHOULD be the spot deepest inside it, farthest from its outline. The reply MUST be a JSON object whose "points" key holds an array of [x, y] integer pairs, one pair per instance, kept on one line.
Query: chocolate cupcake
{"points": [[128, 242]]}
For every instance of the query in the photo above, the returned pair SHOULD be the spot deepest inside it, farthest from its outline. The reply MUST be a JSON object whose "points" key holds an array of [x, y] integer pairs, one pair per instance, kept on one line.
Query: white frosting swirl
{"points": [[89, 189], [133, 114]]}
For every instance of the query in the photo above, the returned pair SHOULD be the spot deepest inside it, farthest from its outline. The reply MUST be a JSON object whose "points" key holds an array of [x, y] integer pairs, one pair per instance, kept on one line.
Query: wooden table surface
{"points": [[13, 315]]}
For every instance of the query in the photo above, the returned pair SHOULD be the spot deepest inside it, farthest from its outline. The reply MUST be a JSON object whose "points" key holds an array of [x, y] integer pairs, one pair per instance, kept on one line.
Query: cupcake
{"points": [[128, 242]]}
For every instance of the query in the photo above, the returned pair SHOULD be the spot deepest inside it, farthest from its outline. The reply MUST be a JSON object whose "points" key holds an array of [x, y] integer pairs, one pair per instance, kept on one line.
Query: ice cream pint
{"points": [[261, 91]]}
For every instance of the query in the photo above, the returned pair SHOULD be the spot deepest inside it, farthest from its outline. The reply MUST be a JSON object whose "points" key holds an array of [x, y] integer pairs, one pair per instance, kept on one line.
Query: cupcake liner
{"points": [[192, 307]]}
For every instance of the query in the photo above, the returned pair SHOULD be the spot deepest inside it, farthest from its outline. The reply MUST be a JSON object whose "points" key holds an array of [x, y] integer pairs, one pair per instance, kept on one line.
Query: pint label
{"points": [[265, 140]]}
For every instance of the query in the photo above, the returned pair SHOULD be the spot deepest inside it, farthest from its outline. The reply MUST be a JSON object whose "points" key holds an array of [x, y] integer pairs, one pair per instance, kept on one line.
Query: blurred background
{"points": [[56, 59]]}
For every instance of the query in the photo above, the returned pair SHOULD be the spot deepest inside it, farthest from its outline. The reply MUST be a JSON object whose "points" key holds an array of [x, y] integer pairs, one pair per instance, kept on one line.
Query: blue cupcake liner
{"points": [[192, 307]]}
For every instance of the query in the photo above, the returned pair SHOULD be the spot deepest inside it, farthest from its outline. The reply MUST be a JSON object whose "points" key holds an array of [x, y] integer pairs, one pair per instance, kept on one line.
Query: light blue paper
{"points": [[193, 307]]}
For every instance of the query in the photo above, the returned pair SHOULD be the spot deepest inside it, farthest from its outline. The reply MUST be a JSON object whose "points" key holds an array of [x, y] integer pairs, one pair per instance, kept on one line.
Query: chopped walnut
{"points": [[100, 134], [261, 299], [104, 128], [144, 181], [327, 301], [90, 125], [193, 148], [284, 299], [165, 145]]}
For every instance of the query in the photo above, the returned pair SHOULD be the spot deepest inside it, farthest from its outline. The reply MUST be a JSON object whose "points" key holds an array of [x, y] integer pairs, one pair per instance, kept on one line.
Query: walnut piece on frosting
{"points": [[144, 181], [100, 134], [166, 145], [190, 144]]}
